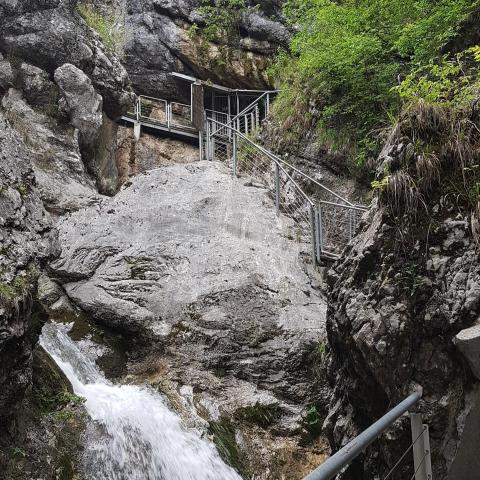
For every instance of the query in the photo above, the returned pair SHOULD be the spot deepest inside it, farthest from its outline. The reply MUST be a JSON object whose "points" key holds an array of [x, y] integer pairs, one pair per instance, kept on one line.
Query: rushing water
{"points": [[133, 434]]}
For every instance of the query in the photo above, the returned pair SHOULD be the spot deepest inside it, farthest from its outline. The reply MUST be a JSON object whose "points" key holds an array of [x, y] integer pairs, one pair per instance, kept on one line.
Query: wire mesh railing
{"points": [[158, 111], [413, 463], [325, 219], [152, 109]]}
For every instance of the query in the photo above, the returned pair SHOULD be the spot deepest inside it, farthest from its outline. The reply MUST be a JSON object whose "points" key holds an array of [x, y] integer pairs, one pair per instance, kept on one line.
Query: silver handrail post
{"points": [[422, 461], [318, 233], [337, 462], [313, 233], [207, 143], [277, 187], [235, 154]]}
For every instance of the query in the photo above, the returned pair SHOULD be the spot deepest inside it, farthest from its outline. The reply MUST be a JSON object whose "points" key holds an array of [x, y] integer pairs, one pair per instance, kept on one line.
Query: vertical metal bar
{"points": [[320, 231], [318, 235], [419, 450], [235, 154], [428, 457], [252, 118], [137, 108], [257, 116], [312, 230], [169, 111], [200, 144], [137, 130], [207, 146], [277, 187], [267, 109]]}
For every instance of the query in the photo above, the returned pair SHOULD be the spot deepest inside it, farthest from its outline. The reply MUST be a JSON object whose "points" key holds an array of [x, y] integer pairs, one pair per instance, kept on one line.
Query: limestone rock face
{"points": [[396, 305], [83, 103], [160, 41], [149, 152], [26, 241], [198, 263], [49, 34], [60, 173]]}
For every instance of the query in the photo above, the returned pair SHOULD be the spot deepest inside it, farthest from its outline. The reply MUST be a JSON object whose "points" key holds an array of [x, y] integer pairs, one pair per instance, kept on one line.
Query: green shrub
{"points": [[222, 19], [347, 58], [108, 25]]}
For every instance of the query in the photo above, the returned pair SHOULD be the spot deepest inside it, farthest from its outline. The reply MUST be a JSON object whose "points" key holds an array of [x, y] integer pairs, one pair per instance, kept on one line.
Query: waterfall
{"points": [[132, 435]]}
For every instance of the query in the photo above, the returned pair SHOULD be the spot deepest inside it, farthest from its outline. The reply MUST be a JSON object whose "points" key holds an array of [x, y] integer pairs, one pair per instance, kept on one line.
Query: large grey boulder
{"points": [[179, 257], [61, 177], [83, 103]]}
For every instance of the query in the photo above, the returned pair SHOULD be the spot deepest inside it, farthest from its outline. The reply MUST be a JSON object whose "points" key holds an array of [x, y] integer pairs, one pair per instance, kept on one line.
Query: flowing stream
{"points": [[133, 435]]}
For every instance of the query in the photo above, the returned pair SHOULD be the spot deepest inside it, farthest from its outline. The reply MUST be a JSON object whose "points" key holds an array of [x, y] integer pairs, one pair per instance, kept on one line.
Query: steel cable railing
{"points": [[327, 219]]}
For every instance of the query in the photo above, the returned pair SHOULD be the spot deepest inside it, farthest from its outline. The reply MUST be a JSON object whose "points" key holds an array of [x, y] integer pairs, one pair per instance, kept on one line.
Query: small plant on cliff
{"points": [[108, 24], [222, 19]]}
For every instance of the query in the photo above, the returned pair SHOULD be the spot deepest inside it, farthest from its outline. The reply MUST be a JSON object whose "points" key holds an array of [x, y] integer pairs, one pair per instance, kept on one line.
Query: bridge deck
{"points": [[182, 130]]}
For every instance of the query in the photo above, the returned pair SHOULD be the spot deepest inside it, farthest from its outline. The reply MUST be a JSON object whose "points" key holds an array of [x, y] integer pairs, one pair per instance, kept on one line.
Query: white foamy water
{"points": [[133, 434]]}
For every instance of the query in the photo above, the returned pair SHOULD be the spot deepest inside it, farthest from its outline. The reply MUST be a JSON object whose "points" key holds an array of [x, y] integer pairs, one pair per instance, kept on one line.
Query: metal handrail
{"points": [[306, 197], [337, 462], [246, 109], [283, 162]]}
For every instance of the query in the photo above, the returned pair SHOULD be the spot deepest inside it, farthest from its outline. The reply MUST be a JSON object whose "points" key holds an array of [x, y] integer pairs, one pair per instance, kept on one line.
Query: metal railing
{"points": [[161, 112], [325, 220], [420, 447]]}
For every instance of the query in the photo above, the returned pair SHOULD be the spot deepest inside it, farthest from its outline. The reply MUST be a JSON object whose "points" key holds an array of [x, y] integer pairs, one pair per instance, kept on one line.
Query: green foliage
{"points": [[452, 82], [381, 184], [312, 421], [258, 414], [17, 289], [347, 57], [18, 452], [107, 24], [222, 19]]}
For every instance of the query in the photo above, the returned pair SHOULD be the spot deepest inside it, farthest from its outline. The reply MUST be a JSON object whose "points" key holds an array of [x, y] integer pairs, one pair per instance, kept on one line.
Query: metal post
{"points": [[313, 232], [207, 143], [200, 144], [138, 108], [421, 448], [252, 117], [168, 112], [318, 234], [137, 130], [267, 107], [277, 187], [257, 116], [235, 154]]}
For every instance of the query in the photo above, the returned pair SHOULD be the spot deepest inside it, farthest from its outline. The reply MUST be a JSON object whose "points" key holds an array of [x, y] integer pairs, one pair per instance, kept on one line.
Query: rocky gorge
{"points": [[163, 283]]}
